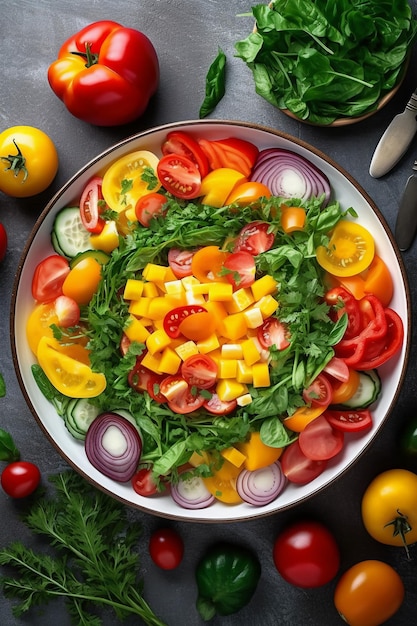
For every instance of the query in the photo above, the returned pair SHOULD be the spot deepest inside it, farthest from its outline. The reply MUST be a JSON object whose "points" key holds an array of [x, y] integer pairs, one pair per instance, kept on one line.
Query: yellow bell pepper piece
{"points": [[108, 239], [264, 286], [135, 330], [258, 454]]}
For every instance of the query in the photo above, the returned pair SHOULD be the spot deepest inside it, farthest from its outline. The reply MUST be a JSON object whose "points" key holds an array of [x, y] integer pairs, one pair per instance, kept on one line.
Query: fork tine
{"points": [[415, 165]]}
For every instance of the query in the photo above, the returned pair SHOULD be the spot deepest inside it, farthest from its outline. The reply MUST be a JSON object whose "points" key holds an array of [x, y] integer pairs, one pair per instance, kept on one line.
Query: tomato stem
{"points": [[90, 57], [16, 162], [401, 528]]}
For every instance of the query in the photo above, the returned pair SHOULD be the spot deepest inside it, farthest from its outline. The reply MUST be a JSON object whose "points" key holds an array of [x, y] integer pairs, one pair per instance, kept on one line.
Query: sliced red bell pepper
{"points": [[381, 350], [232, 152]]}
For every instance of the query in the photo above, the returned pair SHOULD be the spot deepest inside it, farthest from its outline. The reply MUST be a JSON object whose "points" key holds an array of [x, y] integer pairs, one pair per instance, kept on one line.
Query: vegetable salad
{"points": [[228, 338]]}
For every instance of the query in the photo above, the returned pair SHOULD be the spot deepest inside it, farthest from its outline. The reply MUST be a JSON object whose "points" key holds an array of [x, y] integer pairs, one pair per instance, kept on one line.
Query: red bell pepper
{"points": [[232, 152], [381, 350], [105, 74]]}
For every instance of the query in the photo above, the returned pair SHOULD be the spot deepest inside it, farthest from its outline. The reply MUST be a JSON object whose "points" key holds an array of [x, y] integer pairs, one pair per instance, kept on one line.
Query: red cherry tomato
{"points": [[297, 467], [180, 262], [148, 206], [180, 176], [92, 205], [254, 238], [139, 376], [20, 479], [3, 242], [143, 482], [273, 333], [166, 548], [241, 269], [319, 441], [349, 420], [342, 302], [319, 393], [48, 278], [199, 370], [306, 554], [219, 407], [180, 396], [179, 142], [152, 387]]}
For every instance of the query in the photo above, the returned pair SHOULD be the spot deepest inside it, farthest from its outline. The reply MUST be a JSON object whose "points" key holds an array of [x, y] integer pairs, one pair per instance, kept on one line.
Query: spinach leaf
{"points": [[215, 84]]}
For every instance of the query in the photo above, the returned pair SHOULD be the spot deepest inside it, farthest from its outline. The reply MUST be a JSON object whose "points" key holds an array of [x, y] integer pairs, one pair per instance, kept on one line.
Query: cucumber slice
{"points": [[368, 391], [69, 234], [98, 255], [78, 417]]}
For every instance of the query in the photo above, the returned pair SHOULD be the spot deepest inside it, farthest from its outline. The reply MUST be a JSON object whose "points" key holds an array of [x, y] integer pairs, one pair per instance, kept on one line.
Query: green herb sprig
{"points": [[95, 560]]}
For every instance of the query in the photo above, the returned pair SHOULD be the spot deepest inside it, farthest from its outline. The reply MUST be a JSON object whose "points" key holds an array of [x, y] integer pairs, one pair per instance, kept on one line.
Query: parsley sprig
{"points": [[95, 562]]}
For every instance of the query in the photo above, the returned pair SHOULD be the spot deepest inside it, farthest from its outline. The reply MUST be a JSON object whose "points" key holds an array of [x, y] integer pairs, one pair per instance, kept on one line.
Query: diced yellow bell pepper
{"points": [[260, 373], [244, 400], [174, 287], [229, 389], [135, 330], [186, 349], [244, 373], [253, 317], [232, 351], [160, 306], [154, 273], [227, 368], [268, 305], [241, 300], [220, 292], [150, 290], [194, 298], [133, 289], [266, 285], [189, 282], [209, 344], [140, 307], [108, 239], [217, 310], [234, 456], [170, 361], [234, 326], [157, 341], [251, 353], [152, 362]]}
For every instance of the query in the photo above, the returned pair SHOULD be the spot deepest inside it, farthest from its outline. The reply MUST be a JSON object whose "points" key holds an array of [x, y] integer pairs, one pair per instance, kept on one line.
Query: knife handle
{"points": [[406, 225], [412, 103]]}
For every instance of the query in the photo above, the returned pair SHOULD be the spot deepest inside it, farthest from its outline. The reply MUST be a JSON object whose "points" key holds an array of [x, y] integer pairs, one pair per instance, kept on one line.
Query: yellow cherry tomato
{"points": [[368, 593], [82, 281], [126, 180], [222, 485], [218, 185], [350, 250], [70, 376], [39, 324], [389, 508], [302, 416], [293, 218], [29, 161]]}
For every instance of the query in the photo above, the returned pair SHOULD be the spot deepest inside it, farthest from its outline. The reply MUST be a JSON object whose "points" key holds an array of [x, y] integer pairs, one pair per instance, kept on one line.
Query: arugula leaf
{"points": [[322, 62], [215, 84], [94, 560]]}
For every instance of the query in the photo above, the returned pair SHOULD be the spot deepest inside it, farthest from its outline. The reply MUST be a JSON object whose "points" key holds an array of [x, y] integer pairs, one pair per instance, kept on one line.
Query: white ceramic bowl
{"points": [[345, 189]]}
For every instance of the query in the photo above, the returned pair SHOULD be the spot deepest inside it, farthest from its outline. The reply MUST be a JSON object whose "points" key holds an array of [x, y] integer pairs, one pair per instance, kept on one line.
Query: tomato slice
{"points": [[319, 393], [298, 468], [91, 206], [344, 390], [254, 238], [139, 376], [67, 311], [219, 407], [199, 370], [350, 250], [143, 482], [349, 420], [180, 262], [153, 388], [180, 396], [48, 278], [342, 302], [149, 206], [173, 319], [273, 333], [241, 269], [180, 176], [180, 142], [319, 441]]}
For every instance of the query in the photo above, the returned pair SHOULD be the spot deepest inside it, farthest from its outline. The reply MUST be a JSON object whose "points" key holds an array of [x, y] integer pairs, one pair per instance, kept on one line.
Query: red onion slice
{"points": [[261, 486], [113, 446], [290, 175], [191, 493]]}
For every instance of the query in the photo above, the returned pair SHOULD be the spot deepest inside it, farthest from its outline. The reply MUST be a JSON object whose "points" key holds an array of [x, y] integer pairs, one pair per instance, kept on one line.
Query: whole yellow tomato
{"points": [[389, 508], [368, 593], [29, 161]]}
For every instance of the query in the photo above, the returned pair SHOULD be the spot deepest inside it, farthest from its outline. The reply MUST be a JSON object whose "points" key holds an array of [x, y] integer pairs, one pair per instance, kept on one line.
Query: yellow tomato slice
{"points": [[218, 184], [123, 183], [303, 416], [82, 281], [39, 324], [207, 263], [222, 485], [69, 376], [350, 250]]}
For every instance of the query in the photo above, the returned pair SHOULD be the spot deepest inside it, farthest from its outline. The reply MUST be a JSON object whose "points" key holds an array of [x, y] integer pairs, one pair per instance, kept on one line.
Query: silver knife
{"points": [[396, 139], [406, 224]]}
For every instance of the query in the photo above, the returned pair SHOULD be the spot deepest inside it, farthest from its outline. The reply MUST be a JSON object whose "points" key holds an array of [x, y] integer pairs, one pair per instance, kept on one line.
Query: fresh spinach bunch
{"points": [[326, 59]]}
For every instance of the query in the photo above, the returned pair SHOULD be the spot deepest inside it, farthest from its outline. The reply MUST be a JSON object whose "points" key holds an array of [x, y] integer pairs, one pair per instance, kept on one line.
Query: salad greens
{"points": [[323, 59], [94, 562], [169, 438], [215, 84]]}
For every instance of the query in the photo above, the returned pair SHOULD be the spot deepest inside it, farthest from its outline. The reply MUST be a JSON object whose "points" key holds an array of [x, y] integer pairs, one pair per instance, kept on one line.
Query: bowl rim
{"points": [[227, 124]]}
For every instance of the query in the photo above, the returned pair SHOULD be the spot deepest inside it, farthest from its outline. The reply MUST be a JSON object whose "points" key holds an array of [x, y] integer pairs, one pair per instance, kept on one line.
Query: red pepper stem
{"points": [[17, 163], [401, 528], [90, 57]]}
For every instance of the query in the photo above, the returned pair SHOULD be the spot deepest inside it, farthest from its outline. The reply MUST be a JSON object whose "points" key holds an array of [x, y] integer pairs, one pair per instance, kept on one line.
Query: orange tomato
{"points": [[293, 218], [248, 192], [302, 416], [82, 281], [207, 263], [345, 390], [198, 326], [368, 593]]}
